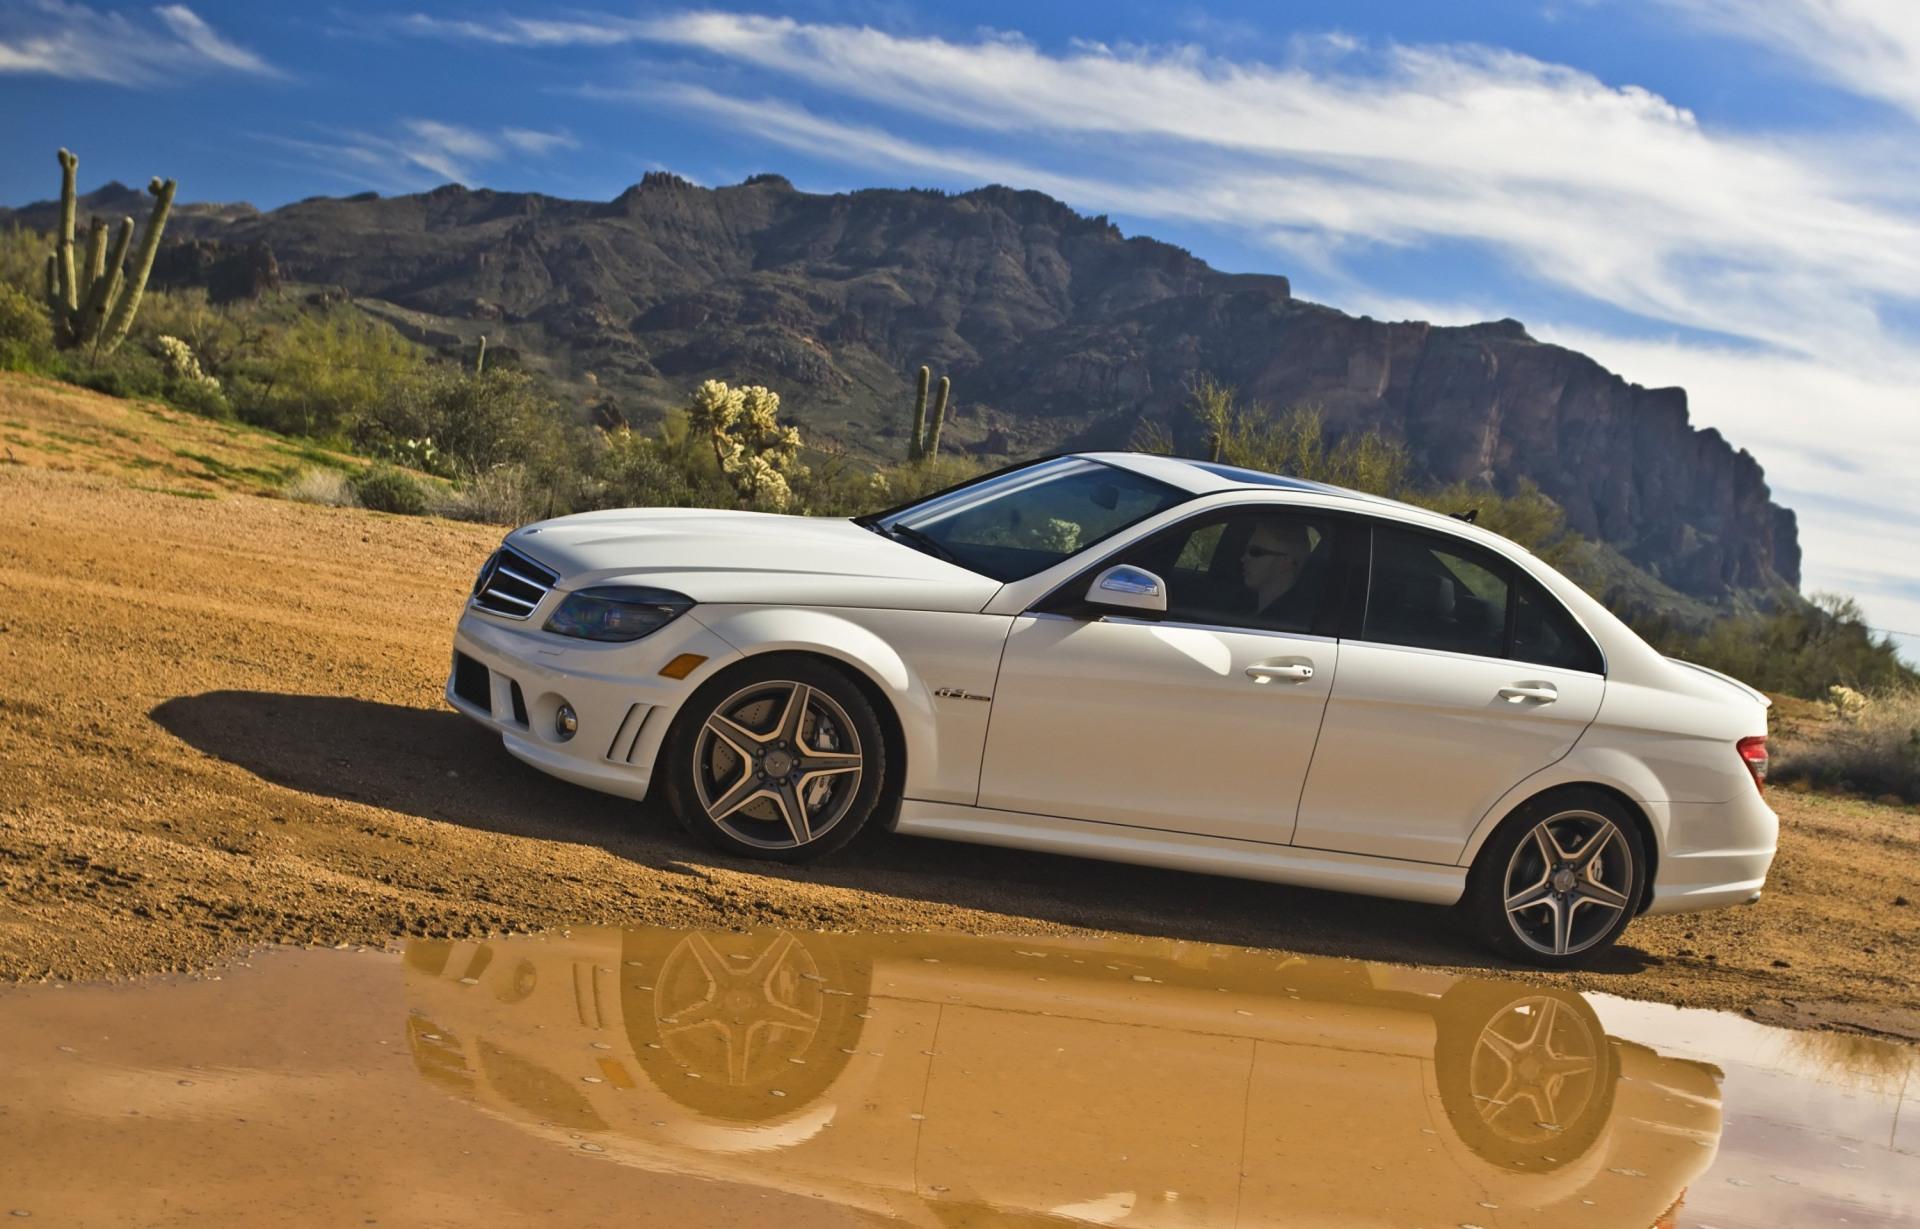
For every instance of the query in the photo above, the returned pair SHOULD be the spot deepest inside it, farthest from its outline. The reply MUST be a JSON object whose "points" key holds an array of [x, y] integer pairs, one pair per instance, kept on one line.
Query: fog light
{"points": [[565, 722]]}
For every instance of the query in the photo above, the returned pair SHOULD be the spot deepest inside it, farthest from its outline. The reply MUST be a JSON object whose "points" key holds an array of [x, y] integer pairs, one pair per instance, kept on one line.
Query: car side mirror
{"points": [[1126, 587]]}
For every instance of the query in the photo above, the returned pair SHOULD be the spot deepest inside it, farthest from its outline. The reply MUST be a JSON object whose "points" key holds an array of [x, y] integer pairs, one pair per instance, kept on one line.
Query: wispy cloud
{"points": [[76, 41], [1867, 47], [418, 152]]}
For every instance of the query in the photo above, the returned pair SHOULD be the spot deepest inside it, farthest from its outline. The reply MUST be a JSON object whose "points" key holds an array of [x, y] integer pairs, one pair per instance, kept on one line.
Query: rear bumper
{"points": [[1717, 854], [623, 704]]}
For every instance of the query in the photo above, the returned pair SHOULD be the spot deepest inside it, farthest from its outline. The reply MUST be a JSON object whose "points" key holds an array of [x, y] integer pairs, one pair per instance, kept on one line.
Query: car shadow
{"points": [[438, 765]]}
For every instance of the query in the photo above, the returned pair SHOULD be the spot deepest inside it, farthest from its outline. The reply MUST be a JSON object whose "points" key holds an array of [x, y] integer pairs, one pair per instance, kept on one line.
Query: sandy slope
{"points": [[220, 725]]}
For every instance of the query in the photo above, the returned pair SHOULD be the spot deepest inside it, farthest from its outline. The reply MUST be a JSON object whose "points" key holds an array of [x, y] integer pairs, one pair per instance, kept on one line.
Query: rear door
{"points": [[1466, 678]]}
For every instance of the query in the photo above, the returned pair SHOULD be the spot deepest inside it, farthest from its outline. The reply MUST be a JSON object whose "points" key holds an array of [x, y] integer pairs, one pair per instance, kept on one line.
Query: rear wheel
{"points": [[1559, 879], [782, 759]]}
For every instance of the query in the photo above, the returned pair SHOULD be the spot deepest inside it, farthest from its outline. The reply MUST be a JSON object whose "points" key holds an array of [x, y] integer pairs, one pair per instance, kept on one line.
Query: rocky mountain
{"points": [[1056, 328]]}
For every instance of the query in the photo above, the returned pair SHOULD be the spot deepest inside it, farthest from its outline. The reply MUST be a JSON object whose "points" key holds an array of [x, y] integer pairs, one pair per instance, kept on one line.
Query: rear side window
{"points": [[1426, 593], [1546, 635]]}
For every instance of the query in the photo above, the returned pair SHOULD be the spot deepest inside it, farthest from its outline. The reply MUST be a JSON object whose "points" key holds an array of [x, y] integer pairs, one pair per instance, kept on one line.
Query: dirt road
{"points": [[221, 726]]}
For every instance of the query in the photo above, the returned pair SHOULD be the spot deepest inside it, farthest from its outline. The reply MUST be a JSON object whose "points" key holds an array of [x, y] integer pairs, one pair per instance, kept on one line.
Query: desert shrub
{"points": [[222, 337], [387, 488], [317, 485], [1870, 744], [503, 495], [326, 373], [1528, 517], [459, 424], [23, 260], [638, 471], [26, 331], [129, 371]]}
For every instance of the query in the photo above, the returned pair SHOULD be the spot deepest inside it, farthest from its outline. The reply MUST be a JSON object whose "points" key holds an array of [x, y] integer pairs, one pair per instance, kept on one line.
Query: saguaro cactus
{"points": [[94, 305], [926, 432], [919, 415]]}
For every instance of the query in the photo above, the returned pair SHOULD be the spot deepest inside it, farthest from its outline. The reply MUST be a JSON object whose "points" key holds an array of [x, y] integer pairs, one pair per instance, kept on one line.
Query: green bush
{"points": [[128, 372], [26, 332], [385, 488], [326, 374], [1803, 649]]}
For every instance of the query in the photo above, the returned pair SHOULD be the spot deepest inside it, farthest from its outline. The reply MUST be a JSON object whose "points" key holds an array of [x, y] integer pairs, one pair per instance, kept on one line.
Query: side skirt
{"points": [[1427, 883]]}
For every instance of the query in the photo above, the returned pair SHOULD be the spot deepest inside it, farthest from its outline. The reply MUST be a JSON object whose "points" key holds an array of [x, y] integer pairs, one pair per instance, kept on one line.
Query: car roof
{"points": [[1211, 477]]}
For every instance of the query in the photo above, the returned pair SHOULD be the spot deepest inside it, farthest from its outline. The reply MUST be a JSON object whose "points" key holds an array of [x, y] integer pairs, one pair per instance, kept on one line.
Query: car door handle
{"points": [[1543, 692], [1297, 673]]}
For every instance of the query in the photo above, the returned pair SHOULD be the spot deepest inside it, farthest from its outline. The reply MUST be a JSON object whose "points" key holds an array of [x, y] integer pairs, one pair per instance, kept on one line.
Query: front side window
{"points": [[1024, 521], [1428, 593], [1266, 568]]}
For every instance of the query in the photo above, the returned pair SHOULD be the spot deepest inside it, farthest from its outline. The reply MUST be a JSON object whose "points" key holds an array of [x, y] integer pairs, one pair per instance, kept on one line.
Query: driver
{"points": [[1271, 567]]}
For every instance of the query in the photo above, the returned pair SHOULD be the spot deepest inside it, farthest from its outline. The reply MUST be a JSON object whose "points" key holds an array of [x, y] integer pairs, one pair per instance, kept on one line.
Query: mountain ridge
{"points": [[1057, 329]]}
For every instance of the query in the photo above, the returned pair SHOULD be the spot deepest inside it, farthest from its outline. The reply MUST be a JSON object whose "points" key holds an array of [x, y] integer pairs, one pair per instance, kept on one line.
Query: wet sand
{"points": [[797, 1078]]}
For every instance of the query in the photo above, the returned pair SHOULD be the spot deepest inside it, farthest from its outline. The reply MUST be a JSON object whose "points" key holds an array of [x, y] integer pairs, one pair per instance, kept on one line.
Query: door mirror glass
{"points": [[1126, 587]]}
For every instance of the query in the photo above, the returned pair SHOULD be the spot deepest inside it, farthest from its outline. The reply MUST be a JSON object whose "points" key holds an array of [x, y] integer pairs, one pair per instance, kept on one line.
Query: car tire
{"points": [[753, 776], [1558, 880]]}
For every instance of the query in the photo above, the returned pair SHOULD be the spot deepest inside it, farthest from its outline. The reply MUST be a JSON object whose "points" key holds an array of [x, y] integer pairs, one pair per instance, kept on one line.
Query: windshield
{"points": [[1012, 525]]}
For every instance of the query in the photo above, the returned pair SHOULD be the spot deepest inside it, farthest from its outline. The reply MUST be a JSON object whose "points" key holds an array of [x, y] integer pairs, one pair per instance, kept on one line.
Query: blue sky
{"points": [[1721, 194]]}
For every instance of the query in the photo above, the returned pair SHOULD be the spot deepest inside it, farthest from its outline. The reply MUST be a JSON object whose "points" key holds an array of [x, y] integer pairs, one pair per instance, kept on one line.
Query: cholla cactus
{"points": [[181, 364], [713, 410], [93, 304], [755, 452], [1848, 704]]}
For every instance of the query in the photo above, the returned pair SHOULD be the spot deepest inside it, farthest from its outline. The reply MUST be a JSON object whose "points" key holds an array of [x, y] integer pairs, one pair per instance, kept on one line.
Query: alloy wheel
{"points": [[1534, 1071], [777, 765], [1568, 881]]}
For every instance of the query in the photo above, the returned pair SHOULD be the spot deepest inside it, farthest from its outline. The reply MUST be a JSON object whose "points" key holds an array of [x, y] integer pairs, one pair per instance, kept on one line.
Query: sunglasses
{"points": [[1265, 552]]}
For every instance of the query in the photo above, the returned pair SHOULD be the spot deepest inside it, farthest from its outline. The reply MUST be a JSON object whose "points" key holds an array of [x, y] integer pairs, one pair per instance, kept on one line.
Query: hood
{"points": [[750, 557]]}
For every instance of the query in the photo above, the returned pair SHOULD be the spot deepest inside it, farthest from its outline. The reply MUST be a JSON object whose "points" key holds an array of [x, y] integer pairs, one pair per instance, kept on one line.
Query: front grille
{"points": [[471, 682], [512, 584]]}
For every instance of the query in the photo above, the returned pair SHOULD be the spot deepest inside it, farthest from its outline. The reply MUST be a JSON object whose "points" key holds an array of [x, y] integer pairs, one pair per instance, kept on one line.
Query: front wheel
{"points": [[1558, 880], [782, 759]]}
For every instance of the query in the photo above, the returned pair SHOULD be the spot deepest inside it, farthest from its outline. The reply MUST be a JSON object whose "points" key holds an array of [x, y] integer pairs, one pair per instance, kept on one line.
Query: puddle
{"points": [[701, 1078]]}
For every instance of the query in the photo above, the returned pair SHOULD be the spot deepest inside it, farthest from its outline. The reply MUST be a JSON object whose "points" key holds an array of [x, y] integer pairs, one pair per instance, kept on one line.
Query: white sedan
{"points": [[1142, 659]]}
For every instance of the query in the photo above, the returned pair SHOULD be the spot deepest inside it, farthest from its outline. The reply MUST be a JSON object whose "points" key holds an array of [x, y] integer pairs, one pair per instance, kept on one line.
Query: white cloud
{"points": [[78, 42], [419, 149], [1868, 47], [531, 141]]}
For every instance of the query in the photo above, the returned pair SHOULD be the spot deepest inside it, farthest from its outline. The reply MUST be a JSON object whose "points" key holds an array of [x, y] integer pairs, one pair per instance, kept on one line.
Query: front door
{"points": [[1203, 721]]}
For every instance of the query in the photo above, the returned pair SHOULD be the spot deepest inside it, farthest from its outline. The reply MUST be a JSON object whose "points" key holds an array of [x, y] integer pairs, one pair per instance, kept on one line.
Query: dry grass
{"points": [[1864, 744], [328, 487]]}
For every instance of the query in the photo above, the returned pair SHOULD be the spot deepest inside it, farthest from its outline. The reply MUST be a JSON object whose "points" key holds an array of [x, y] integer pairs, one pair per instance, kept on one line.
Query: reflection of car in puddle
{"points": [[955, 1081]]}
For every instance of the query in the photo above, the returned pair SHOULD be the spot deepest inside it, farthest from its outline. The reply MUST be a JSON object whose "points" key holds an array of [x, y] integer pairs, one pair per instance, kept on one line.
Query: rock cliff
{"points": [[1057, 330]]}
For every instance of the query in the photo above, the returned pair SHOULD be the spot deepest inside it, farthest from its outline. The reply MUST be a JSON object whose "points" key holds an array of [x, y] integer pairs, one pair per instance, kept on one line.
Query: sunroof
{"points": [[1256, 477]]}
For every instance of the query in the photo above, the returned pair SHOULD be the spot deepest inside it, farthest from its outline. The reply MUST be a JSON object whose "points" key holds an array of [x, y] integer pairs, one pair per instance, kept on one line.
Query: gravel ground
{"points": [[221, 726]]}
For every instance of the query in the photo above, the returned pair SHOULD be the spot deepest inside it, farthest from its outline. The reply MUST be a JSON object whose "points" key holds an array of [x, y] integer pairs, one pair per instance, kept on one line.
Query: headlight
{"points": [[616, 612]]}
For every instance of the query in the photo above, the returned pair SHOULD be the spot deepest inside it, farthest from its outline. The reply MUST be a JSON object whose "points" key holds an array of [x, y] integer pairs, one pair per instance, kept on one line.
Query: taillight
{"points": [[1753, 753]]}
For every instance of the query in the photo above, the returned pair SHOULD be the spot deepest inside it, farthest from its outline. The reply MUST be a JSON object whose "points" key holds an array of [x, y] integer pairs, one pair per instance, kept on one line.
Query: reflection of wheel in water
{"points": [[723, 1021], [1526, 1076]]}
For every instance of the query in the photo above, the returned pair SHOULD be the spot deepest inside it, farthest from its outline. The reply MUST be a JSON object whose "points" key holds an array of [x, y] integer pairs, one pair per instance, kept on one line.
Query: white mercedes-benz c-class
{"points": [[1142, 659]]}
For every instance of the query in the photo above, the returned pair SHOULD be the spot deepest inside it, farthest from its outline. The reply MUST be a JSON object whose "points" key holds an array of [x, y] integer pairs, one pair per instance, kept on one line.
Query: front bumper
{"points": [[623, 704]]}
